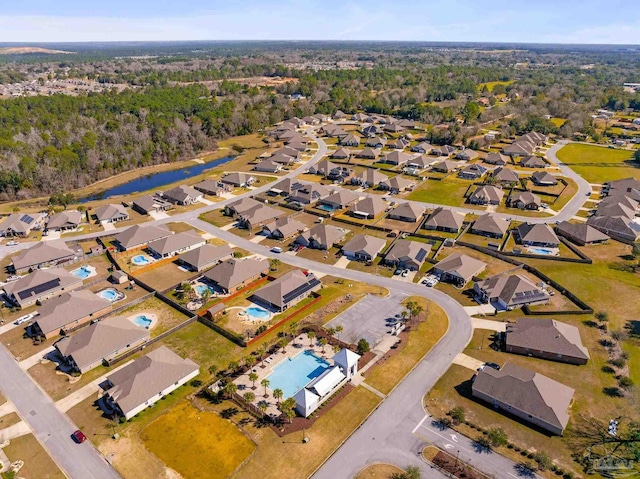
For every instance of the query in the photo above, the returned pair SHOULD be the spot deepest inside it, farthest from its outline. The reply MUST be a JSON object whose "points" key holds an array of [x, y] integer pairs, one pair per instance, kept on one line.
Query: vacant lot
{"points": [[37, 463], [211, 447], [598, 164], [449, 191]]}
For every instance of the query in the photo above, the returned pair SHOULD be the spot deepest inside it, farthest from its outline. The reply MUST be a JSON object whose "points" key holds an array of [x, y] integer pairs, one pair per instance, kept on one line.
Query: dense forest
{"points": [[60, 142]]}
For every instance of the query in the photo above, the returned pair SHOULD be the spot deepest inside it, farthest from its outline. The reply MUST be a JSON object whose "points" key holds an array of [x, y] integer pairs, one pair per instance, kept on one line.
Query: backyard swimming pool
{"points": [[83, 272], [143, 321], [545, 251], [328, 208], [257, 312], [110, 294], [201, 288], [293, 374], [140, 260]]}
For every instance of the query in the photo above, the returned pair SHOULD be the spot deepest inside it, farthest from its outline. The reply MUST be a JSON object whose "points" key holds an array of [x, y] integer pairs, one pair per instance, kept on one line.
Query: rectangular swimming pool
{"points": [[293, 374]]}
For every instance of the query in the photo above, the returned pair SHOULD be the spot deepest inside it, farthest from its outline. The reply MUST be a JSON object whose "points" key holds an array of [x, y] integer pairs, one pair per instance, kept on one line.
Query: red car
{"points": [[79, 437]]}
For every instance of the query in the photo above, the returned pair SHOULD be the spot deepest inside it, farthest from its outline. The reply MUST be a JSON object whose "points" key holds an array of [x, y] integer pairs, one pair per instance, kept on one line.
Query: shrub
{"points": [[363, 346], [625, 382], [497, 437], [122, 420], [457, 414], [619, 362], [543, 461], [196, 383]]}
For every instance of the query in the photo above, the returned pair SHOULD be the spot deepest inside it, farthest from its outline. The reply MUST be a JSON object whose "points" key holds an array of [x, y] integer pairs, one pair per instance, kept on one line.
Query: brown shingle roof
{"points": [[546, 335]]}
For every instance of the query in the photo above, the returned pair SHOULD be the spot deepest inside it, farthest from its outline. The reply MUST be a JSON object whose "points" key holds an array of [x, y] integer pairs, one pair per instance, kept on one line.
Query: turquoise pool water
{"points": [[536, 250], [140, 260], [328, 208], [258, 313], [142, 320], [109, 294], [201, 288], [83, 272], [293, 374]]}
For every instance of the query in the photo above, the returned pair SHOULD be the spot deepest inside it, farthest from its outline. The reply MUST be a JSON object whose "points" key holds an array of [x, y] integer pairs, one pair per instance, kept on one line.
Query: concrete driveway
{"points": [[367, 318], [467, 362]]}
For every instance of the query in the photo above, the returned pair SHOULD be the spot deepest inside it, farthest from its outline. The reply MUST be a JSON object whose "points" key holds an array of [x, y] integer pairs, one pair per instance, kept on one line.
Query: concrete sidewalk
{"points": [[17, 430], [36, 358], [467, 362]]}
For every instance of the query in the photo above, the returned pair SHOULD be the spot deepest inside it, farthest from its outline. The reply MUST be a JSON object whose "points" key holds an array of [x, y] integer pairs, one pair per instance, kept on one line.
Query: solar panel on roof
{"points": [[300, 290], [39, 288], [26, 219], [421, 254]]}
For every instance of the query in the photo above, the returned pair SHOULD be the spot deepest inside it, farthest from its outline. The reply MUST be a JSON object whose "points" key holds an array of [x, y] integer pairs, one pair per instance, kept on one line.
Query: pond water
{"points": [[157, 180]]}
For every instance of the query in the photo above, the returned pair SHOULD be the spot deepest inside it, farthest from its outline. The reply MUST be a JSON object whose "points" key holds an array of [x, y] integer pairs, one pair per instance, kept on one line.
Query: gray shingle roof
{"points": [[547, 335]]}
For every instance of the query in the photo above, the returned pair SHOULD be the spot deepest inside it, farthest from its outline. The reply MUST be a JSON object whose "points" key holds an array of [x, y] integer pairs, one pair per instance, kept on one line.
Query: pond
{"points": [[157, 180]]}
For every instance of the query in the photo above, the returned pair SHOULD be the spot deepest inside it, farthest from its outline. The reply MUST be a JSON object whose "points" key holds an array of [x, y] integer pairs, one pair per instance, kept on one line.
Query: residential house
{"points": [[375, 142], [396, 157], [150, 204], [172, 245], [234, 274], [445, 166], [532, 161], [350, 140], [616, 220], [69, 311], [333, 131], [542, 178], [21, 224], [339, 115], [145, 381], [496, 159], [525, 394], [44, 254], [371, 131], [183, 195], [458, 269], [519, 148], [368, 153], [444, 150], [467, 155], [289, 150], [409, 212], [284, 228], [537, 234], [393, 128], [268, 166], [205, 256], [399, 144], [252, 214], [420, 162], [363, 247], [369, 178], [40, 285], [444, 219], [473, 171], [368, 208], [546, 339], [100, 342], [490, 225], [240, 180], [407, 254], [505, 176], [340, 200], [280, 159], [286, 187], [138, 236], [286, 291], [321, 237], [113, 213], [525, 200], [341, 154], [322, 168], [341, 174], [626, 187], [397, 184], [580, 233], [423, 147], [486, 195], [309, 194], [65, 221], [509, 291]]}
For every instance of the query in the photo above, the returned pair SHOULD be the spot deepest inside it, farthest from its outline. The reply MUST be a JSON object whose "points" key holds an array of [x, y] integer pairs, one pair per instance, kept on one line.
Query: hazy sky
{"points": [[552, 21]]}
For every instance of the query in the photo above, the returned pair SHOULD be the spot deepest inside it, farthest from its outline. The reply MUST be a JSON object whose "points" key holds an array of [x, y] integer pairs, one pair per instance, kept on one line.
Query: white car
{"points": [[24, 319], [12, 243], [13, 277], [276, 249]]}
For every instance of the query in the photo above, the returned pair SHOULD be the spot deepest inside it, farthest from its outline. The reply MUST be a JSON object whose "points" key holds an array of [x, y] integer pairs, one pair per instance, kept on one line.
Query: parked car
{"points": [[12, 277], [79, 437], [493, 366], [276, 249], [24, 319], [13, 243], [397, 272], [405, 273]]}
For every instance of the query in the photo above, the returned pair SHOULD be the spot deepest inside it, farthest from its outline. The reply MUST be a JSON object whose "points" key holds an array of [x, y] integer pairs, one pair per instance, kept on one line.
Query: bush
{"points": [[625, 382], [122, 420], [457, 414], [363, 346], [497, 437], [543, 461], [619, 362], [196, 383]]}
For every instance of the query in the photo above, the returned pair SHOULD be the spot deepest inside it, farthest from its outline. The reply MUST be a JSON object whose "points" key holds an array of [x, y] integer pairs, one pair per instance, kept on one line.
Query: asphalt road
{"points": [[52, 427]]}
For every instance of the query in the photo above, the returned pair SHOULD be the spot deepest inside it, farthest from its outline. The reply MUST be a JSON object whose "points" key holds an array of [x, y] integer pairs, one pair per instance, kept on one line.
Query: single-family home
{"points": [[44, 254], [240, 180], [284, 228], [21, 224], [532, 161], [486, 195], [444, 150], [363, 247], [321, 237], [509, 291], [286, 291], [323, 168], [543, 178], [252, 214], [397, 184], [99, 342], [290, 151], [65, 221], [234, 274], [138, 236], [393, 128], [472, 171], [496, 159], [341, 154], [368, 208], [375, 142], [526, 394], [396, 157], [525, 200], [151, 204], [213, 187], [172, 245], [268, 166], [444, 219], [350, 140], [519, 148], [369, 178], [490, 225], [206, 256], [309, 194], [408, 254], [145, 381], [40, 285], [333, 131], [626, 187], [420, 162], [546, 339], [467, 155], [69, 311], [423, 147], [339, 115], [537, 234], [285, 187], [446, 166], [368, 153], [580, 233], [399, 144], [183, 195], [505, 176], [340, 199], [409, 212], [113, 213], [621, 227], [371, 131], [280, 159], [458, 269]]}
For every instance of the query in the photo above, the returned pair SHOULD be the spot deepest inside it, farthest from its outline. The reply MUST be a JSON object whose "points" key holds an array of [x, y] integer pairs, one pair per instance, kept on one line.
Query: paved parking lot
{"points": [[367, 318]]}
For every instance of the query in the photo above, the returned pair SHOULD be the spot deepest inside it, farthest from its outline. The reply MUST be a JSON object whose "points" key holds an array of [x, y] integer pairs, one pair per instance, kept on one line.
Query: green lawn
{"points": [[598, 164], [449, 191], [491, 84]]}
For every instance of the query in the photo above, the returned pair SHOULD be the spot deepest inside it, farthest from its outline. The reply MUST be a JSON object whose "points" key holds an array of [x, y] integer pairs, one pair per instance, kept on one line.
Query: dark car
{"points": [[79, 437], [493, 365]]}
